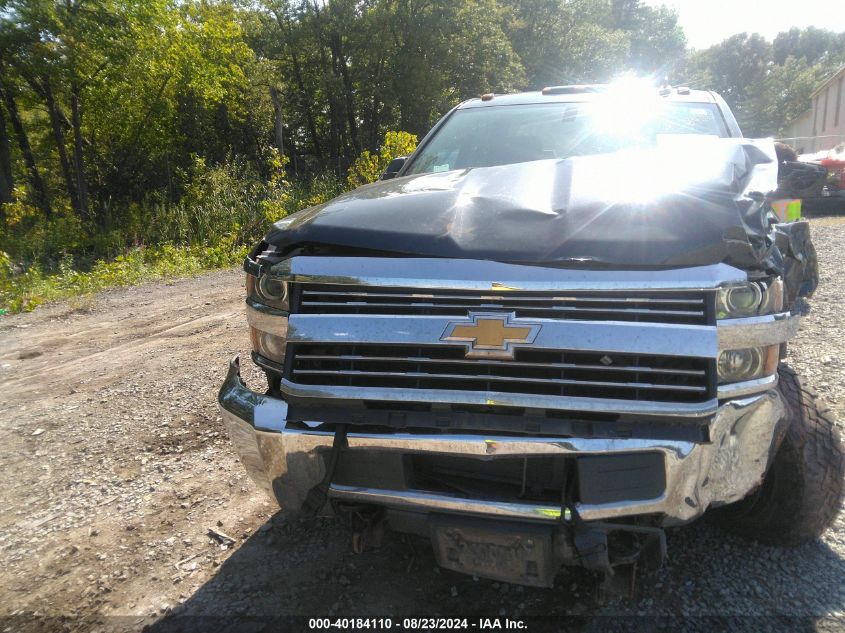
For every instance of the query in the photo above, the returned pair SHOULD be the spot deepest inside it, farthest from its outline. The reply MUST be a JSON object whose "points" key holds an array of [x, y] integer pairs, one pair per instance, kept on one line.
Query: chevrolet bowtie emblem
{"points": [[491, 335]]}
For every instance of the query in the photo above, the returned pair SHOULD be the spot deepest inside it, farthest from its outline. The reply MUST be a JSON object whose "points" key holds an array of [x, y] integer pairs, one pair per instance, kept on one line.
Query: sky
{"points": [[707, 22]]}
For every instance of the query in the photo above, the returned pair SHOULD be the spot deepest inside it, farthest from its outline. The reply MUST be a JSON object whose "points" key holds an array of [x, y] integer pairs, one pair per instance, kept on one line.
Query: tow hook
{"points": [[619, 552], [367, 524]]}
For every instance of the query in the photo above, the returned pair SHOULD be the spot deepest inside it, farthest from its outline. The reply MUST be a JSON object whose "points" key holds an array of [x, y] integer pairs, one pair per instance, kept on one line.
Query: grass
{"points": [[25, 291]]}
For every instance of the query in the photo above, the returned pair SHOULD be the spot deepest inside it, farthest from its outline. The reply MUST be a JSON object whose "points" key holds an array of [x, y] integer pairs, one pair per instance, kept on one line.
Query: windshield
{"points": [[488, 136]]}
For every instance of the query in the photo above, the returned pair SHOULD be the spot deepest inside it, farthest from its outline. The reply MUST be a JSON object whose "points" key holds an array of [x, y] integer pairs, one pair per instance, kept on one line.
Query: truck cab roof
{"points": [[583, 93], [594, 92]]}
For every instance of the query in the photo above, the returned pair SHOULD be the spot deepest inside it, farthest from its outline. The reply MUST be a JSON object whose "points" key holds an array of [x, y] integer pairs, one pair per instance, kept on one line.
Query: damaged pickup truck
{"points": [[556, 329]]}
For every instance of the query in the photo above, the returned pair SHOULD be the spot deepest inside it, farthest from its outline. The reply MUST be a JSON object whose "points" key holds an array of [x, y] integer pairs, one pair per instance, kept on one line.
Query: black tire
{"points": [[802, 492]]}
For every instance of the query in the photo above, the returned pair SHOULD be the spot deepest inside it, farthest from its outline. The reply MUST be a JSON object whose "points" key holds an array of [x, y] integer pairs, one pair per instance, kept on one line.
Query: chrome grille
{"points": [[641, 306], [558, 373]]}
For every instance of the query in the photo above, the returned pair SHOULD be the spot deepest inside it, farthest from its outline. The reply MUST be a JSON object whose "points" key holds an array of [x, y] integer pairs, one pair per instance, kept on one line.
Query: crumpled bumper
{"points": [[288, 462]]}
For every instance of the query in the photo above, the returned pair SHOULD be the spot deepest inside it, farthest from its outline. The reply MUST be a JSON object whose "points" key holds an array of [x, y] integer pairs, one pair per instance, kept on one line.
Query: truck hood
{"points": [[695, 203]]}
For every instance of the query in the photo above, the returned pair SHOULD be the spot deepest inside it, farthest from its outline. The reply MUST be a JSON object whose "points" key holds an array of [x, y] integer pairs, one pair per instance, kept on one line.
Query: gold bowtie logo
{"points": [[491, 335]]}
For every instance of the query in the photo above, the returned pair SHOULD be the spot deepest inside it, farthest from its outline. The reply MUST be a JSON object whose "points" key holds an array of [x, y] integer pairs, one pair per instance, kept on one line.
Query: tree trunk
{"points": [[340, 67], [59, 137], [42, 199], [78, 159], [130, 152], [372, 138], [7, 184], [306, 99], [336, 120], [279, 123]]}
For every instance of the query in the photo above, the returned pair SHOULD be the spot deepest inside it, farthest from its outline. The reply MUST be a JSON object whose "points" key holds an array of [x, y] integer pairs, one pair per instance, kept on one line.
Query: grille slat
{"points": [[492, 378], [421, 359], [488, 306], [518, 297], [669, 306], [549, 372]]}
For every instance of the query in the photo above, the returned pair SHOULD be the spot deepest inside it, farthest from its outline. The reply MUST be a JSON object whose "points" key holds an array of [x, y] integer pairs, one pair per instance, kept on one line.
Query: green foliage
{"points": [[569, 41], [781, 95], [368, 166], [24, 291], [766, 84], [222, 212], [812, 44], [226, 210], [26, 235]]}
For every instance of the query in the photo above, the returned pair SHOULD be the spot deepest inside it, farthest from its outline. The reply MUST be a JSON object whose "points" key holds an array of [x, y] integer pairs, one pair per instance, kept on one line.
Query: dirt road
{"points": [[115, 467]]}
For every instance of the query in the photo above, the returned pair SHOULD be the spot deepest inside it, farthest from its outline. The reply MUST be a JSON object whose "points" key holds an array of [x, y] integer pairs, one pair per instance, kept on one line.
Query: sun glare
{"points": [[627, 105]]}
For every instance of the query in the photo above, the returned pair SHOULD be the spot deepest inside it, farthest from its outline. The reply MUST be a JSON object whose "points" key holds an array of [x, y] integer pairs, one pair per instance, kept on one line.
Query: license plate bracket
{"points": [[520, 553]]}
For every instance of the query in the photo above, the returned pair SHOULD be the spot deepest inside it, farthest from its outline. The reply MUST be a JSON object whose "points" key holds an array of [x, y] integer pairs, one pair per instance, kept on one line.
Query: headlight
{"points": [[751, 299], [738, 365], [268, 290], [268, 328]]}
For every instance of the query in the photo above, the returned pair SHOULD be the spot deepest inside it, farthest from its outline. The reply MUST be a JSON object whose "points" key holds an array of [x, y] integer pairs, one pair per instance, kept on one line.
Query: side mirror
{"points": [[393, 168]]}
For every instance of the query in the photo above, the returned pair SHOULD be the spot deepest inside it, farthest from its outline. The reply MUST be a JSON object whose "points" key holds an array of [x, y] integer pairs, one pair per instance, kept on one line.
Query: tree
{"points": [[766, 85], [7, 182], [352, 70], [185, 90], [67, 46], [781, 95], [566, 41], [811, 44], [39, 187], [657, 41], [731, 68]]}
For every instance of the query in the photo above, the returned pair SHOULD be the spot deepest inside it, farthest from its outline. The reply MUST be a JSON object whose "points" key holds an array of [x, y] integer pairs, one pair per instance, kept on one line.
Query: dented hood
{"points": [[693, 202]]}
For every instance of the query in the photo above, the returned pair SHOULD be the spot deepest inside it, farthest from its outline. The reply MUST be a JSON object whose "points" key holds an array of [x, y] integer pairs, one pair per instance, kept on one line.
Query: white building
{"points": [[823, 125]]}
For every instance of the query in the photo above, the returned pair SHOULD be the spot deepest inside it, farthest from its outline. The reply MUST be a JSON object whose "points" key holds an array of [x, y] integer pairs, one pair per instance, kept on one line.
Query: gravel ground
{"points": [[124, 504]]}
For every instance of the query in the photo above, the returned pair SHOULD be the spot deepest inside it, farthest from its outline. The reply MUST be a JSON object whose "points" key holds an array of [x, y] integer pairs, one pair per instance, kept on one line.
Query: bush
{"points": [[26, 235], [368, 166], [224, 211], [23, 291]]}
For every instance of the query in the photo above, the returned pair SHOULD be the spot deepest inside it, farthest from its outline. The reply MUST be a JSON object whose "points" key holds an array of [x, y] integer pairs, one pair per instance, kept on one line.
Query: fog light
{"points": [[737, 365], [268, 345]]}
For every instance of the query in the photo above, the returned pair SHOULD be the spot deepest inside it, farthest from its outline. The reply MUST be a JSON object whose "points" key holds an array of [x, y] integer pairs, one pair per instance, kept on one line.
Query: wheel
{"points": [[802, 492]]}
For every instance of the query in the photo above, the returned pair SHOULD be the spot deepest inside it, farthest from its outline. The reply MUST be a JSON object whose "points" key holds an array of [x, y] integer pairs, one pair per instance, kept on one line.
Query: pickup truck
{"points": [[556, 329]]}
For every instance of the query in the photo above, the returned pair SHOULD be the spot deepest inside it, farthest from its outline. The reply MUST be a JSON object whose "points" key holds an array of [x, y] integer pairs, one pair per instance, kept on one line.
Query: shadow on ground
{"points": [[308, 569]]}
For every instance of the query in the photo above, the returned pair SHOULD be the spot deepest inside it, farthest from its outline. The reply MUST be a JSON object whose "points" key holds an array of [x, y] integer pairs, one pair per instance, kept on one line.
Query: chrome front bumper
{"points": [[288, 462]]}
